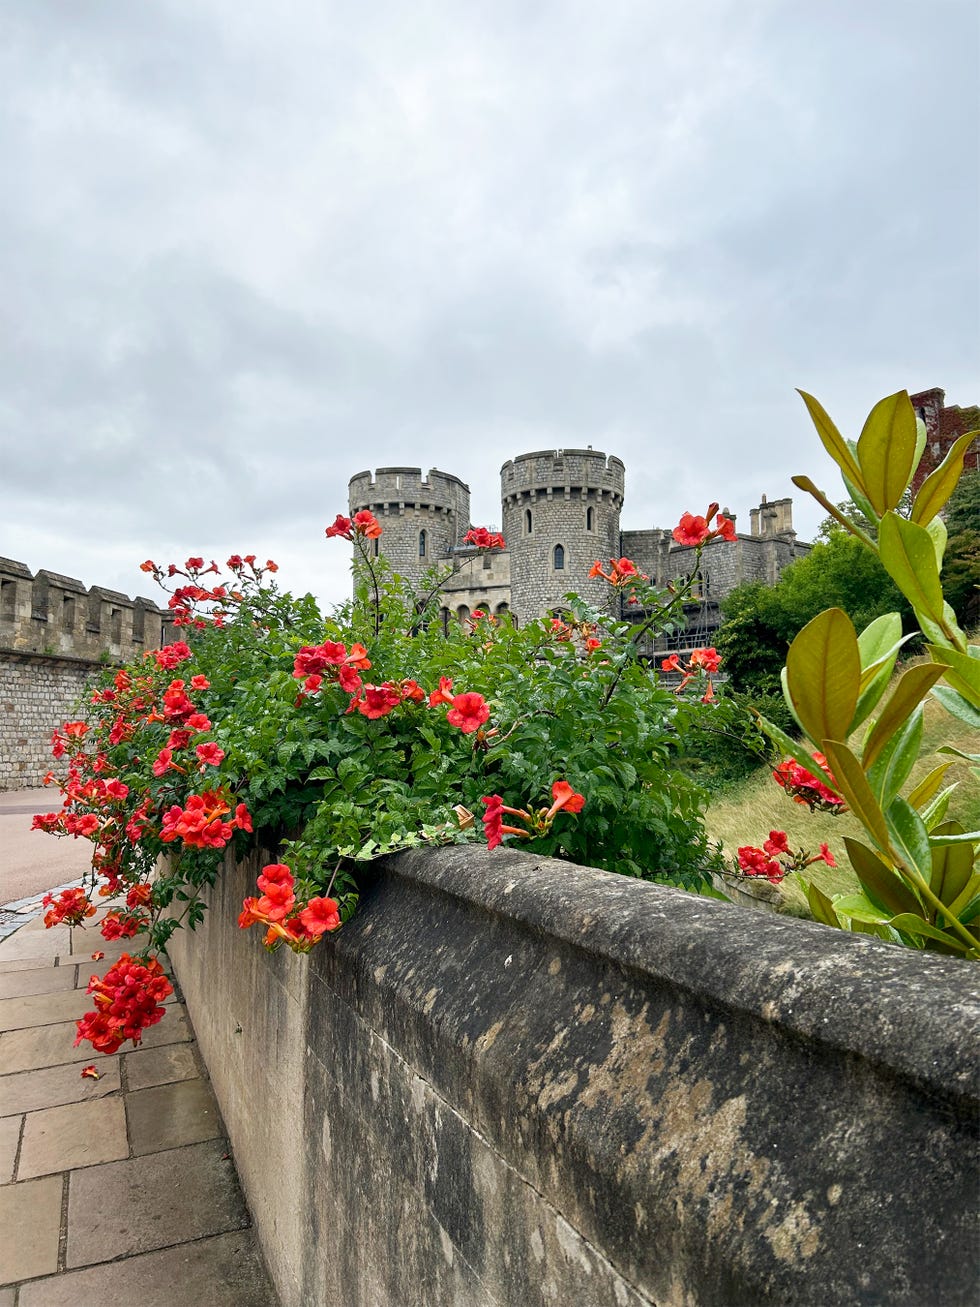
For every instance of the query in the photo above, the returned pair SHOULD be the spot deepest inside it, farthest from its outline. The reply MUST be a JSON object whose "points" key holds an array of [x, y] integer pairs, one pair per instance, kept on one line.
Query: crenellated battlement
{"points": [[52, 614], [406, 486], [578, 472]]}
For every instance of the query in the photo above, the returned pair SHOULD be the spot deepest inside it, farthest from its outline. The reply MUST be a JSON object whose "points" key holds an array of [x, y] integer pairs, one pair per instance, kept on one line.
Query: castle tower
{"points": [[560, 510], [422, 518]]}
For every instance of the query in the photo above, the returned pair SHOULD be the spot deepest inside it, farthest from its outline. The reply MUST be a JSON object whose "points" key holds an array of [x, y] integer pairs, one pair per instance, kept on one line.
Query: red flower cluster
{"points": [[128, 999], [362, 524], [766, 861], [700, 660], [275, 910], [71, 905], [171, 655], [622, 571], [803, 787], [484, 539], [697, 531], [533, 823], [333, 658], [116, 926], [199, 823]]}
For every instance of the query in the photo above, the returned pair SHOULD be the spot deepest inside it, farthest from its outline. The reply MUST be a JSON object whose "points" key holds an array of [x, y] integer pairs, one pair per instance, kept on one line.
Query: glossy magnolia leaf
{"points": [[910, 837], [929, 786], [804, 483], [823, 673], [882, 883], [821, 906], [934, 813], [894, 764], [880, 640], [952, 867], [832, 440], [908, 556], [793, 749], [939, 536], [954, 703], [940, 484], [963, 672], [911, 924], [967, 837], [912, 688], [853, 785], [886, 451], [856, 495], [858, 907], [972, 910]]}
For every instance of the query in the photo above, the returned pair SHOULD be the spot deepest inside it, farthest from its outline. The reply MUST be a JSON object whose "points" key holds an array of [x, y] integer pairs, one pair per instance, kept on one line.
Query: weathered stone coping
{"points": [[513, 1081]]}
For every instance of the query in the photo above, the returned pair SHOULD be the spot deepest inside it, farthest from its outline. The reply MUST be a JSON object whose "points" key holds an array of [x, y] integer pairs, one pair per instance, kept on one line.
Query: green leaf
{"points": [[962, 671], [823, 673], [832, 440], [879, 640], [804, 483], [909, 558], [912, 924], [954, 703], [857, 498], [853, 785], [882, 883], [886, 451], [940, 484], [858, 907], [912, 688], [821, 905], [911, 839], [939, 536], [952, 867], [894, 765]]}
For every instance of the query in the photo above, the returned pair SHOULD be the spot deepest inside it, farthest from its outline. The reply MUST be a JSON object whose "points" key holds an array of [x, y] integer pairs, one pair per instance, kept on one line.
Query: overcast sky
{"points": [[247, 250]]}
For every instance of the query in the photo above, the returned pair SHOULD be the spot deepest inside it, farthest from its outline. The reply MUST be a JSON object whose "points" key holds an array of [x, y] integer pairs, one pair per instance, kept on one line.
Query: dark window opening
{"points": [[590, 519], [559, 558], [528, 522], [421, 544]]}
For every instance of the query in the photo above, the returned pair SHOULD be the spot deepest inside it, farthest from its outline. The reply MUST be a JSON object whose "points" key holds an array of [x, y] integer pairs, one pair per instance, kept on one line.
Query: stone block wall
{"points": [[512, 1082], [37, 694]]}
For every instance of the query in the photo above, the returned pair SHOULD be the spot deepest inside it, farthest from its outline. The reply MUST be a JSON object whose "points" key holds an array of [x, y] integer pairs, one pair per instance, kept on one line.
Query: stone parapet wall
{"points": [[511, 1082], [37, 694]]}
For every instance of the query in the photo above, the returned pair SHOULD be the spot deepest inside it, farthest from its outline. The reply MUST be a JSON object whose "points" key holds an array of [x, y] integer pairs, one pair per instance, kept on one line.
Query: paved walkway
{"points": [[122, 1190]]}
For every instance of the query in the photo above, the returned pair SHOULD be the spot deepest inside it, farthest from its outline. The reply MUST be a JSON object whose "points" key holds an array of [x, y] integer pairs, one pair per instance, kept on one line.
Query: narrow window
{"points": [[376, 550], [528, 522], [421, 544], [590, 518], [115, 625], [67, 613], [559, 558], [8, 597]]}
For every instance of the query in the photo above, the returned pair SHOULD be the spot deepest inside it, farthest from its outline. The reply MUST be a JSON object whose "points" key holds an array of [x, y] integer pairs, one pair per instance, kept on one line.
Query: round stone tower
{"points": [[422, 518], [560, 510]]}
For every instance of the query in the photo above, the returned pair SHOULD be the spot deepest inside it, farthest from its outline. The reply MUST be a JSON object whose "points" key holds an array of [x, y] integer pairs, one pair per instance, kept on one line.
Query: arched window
{"points": [[376, 549], [528, 522], [462, 612], [590, 518], [421, 544], [559, 558]]}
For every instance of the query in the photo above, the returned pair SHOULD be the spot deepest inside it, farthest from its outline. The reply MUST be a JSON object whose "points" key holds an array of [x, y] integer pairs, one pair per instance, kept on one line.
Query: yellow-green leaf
{"points": [[804, 483], [929, 786], [833, 442], [912, 688], [886, 451], [821, 906], [910, 837], [952, 868], [940, 484], [853, 785], [914, 925], [962, 671], [823, 675], [907, 552]]}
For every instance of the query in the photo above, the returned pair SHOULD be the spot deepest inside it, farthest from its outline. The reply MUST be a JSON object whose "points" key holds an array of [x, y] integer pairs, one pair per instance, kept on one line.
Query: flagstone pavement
{"points": [[120, 1191]]}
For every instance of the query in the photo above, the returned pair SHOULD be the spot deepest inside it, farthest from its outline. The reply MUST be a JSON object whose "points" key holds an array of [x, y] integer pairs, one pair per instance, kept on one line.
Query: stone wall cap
{"points": [[9, 567], [61, 581], [115, 596], [879, 1002]]}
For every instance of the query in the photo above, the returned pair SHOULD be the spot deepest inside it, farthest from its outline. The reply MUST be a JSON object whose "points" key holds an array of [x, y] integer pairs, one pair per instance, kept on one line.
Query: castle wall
{"points": [[55, 636], [944, 425]]}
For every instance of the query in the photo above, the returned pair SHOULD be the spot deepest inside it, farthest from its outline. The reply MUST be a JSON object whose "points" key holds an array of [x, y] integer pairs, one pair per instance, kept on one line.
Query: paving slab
{"points": [[49, 1045], [39, 980], [9, 1139], [223, 1271], [41, 963], [76, 1135], [6, 1298], [30, 1218], [42, 1009], [27, 943], [152, 1202], [29, 1091], [171, 1115], [159, 1066]]}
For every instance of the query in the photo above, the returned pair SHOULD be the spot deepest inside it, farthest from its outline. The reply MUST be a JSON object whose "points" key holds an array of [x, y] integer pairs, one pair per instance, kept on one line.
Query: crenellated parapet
{"points": [[55, 615], [581, 473], [423, 518]]}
